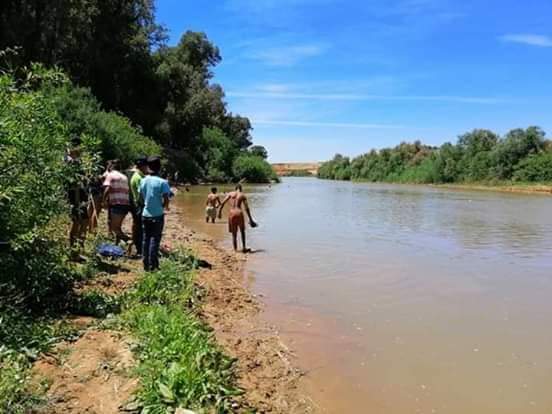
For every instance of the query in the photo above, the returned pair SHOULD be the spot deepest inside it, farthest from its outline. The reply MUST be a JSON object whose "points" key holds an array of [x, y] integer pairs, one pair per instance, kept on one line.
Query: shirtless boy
{"points": [[213, 201], [236, 219]]}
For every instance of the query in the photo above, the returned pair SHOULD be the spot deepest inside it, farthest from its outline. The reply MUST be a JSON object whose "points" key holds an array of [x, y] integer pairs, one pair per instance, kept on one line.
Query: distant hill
{"points": [[296, 168]]}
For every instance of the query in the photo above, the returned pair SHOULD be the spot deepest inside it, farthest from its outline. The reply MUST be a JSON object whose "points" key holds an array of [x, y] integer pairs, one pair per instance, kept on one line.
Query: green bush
{"points": [[82, 114], [253, 169], [33, 177], [15, 397], [218, 152], [94, 303], [479, 155], [535, 168]]}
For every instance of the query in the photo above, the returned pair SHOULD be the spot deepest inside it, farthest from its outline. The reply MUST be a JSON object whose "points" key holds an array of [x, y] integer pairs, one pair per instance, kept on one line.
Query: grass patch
{"points": [[15, 395], [95, 303], [180, 362]]}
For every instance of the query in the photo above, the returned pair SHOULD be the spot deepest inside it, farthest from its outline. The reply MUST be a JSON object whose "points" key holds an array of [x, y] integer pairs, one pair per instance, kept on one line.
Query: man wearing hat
{"points": [[140, 172]]}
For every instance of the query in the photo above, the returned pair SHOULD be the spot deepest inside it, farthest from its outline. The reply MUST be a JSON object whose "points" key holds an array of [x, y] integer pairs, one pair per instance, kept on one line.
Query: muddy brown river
{"points": [[405, 299]]}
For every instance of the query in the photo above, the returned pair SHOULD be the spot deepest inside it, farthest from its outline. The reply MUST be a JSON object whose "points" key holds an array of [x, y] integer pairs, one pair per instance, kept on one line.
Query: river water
{"points": [[405, 299]]}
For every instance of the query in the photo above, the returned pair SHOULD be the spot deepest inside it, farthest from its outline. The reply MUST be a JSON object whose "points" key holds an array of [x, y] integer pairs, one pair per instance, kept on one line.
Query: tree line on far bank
{"points": [[118, 60], [522, 155]]}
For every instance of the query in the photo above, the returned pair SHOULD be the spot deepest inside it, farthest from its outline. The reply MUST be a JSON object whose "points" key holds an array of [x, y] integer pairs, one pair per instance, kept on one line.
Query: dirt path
{"points": [[93, 375]]}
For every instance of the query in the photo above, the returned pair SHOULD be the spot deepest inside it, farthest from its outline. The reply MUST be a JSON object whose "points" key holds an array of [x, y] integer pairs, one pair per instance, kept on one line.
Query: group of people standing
{"points": [[146, 196]]}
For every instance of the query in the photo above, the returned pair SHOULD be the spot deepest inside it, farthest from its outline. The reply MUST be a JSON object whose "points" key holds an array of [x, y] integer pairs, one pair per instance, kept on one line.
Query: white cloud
{"points": [[365, 97], [326, 124], [287, 55], [528, 39], [274, 88]]}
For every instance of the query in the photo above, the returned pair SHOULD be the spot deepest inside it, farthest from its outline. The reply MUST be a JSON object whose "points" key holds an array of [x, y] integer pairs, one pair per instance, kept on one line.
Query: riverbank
{"points": [[96, 371], [265, 365], [545, 189], [504, 187]]}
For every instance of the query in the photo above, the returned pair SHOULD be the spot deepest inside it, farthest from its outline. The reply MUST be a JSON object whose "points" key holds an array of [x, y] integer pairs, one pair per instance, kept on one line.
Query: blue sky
{"points": [[318, 77]]}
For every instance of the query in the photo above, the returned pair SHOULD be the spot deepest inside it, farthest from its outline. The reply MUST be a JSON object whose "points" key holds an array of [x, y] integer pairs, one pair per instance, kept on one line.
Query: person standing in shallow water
{"points": [[211, 205], [154, 196], [236, 219]]}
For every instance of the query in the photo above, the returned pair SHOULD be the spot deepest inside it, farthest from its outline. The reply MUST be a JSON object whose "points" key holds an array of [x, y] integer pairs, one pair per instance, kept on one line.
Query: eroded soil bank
{"points": [[94, 373]]}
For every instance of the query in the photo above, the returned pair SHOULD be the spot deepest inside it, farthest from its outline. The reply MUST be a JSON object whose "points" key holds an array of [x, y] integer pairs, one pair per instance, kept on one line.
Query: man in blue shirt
{"points": [[154, 193]]}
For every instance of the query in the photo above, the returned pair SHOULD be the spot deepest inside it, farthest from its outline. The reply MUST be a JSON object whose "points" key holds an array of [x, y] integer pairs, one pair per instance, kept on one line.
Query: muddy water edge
{"points": [[401, 298]]}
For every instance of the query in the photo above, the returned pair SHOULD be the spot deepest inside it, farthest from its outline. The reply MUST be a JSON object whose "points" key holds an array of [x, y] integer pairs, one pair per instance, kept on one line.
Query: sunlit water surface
{"points": [[405, 299]]}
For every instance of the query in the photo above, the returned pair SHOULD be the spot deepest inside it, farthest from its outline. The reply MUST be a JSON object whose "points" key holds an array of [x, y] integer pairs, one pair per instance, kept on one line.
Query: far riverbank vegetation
{"points": [[479, 156]]}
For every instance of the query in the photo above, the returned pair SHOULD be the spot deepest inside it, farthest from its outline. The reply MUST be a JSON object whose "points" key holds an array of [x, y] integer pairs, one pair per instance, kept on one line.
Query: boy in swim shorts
{"points": [[211, 206]]}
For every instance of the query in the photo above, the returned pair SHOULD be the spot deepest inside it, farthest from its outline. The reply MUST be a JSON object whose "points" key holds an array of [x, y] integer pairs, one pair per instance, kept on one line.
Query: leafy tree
{"points": [[117, 50], [116, 137], [104, 45], [32, 181], [479, 155], [515, 146], [253, 169], [535, 168], [219, 152], [259, 151]]}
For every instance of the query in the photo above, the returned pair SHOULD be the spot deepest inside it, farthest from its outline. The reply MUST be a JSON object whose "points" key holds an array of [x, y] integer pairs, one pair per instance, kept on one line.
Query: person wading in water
{"points": [[236, 219], [211, 205]]}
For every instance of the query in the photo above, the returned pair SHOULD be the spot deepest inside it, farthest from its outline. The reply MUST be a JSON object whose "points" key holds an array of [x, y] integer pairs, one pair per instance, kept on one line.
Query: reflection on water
{"points": [[425, 300]]}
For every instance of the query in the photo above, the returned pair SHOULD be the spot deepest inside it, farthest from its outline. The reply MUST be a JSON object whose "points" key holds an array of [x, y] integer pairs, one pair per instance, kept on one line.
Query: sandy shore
{"points": [[93, 374], [524, 189]]}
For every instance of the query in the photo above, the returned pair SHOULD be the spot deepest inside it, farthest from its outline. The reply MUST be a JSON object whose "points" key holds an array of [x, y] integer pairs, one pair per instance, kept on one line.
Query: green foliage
{"points": [[339, 168], [33, 178], [219, 152], [116, 138], [253, 169], [118, 51], [180, 363], [192, 109], [15, 396], [479, 155], [535, 168], [259, 151], [517, 145], [94, 303], [104, 45]]}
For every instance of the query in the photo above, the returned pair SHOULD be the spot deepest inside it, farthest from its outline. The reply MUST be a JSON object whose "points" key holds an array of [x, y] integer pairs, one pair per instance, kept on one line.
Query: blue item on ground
{"points": [[110, 250]]}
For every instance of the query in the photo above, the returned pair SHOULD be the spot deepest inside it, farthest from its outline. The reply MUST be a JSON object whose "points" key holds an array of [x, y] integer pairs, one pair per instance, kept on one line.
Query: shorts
{"points": [[236, 221], [211, 212], [119, 209], [79, 213]]}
